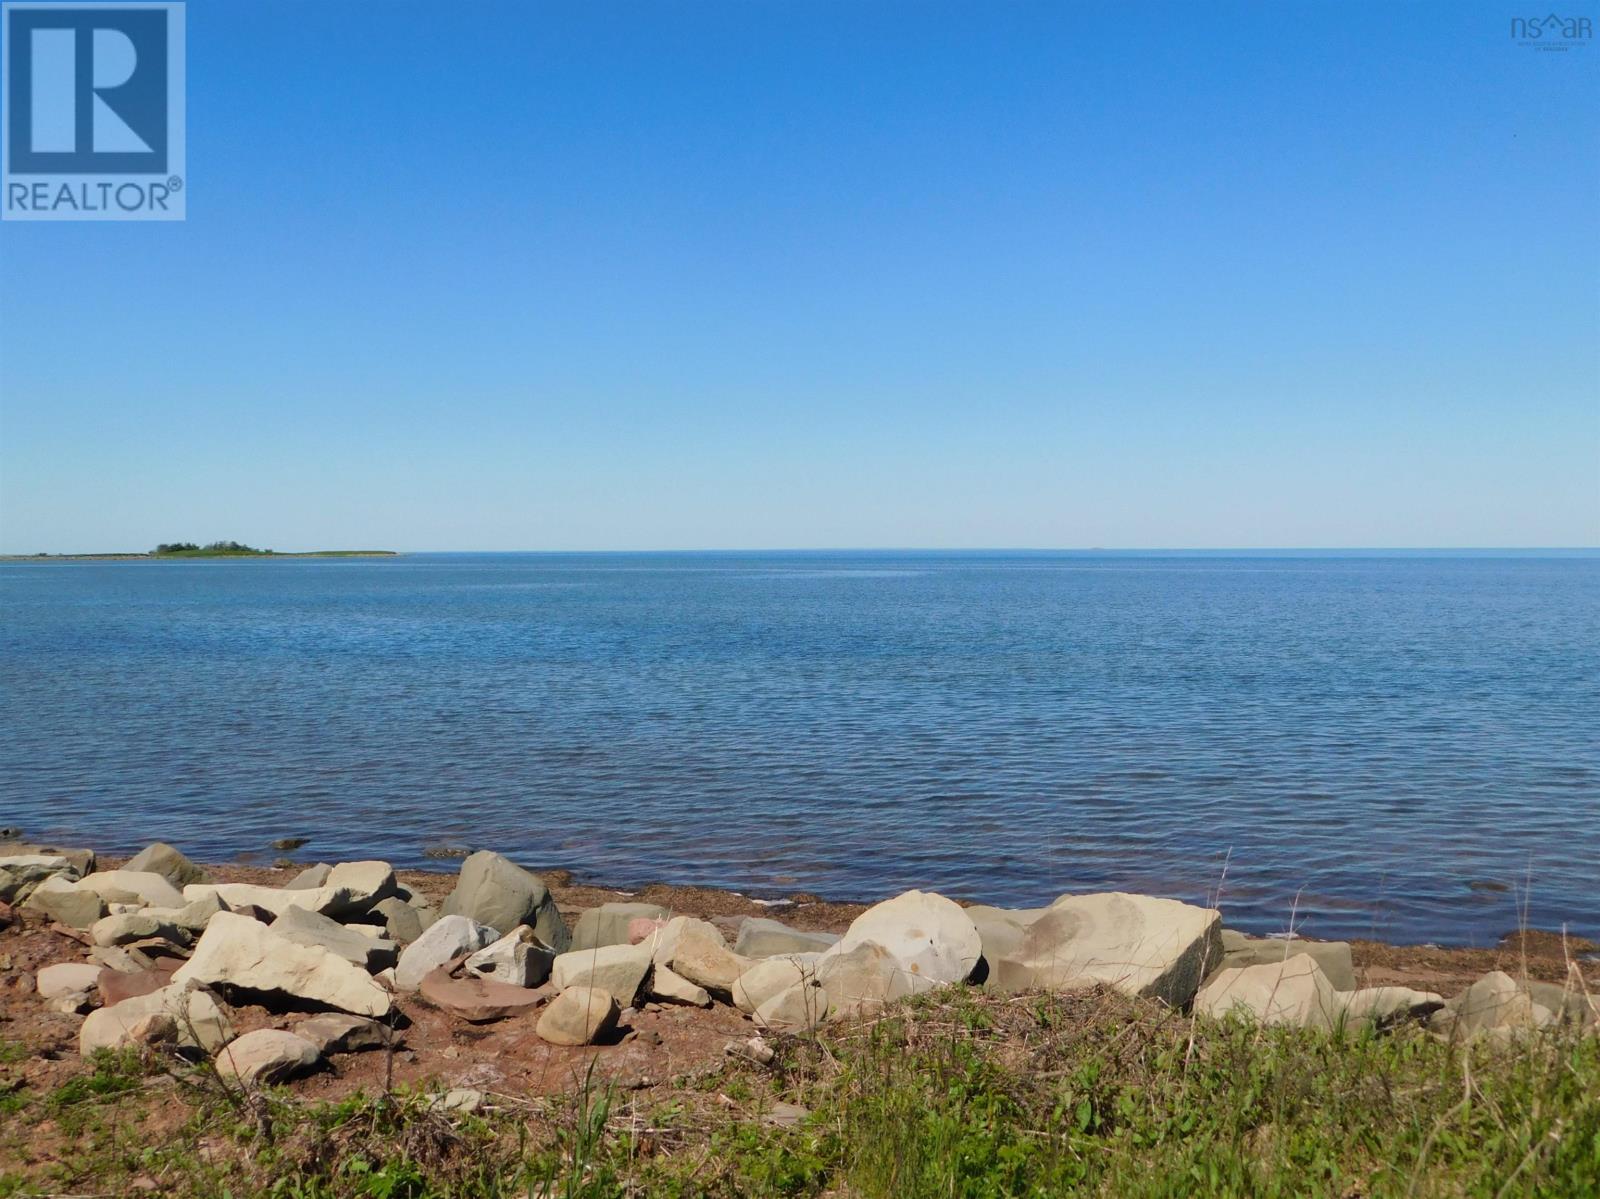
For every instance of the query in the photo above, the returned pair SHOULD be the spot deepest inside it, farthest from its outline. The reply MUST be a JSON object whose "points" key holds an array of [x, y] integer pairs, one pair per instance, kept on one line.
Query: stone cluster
{"points": [[168, 951]]}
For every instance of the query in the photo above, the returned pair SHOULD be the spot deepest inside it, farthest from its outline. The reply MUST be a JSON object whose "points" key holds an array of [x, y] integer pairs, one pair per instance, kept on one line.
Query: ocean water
{"points": [[1393, 746]]}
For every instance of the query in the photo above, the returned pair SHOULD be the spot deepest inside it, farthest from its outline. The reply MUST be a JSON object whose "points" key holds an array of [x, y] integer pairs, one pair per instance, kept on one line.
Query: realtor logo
{"points": [[94, 115]]}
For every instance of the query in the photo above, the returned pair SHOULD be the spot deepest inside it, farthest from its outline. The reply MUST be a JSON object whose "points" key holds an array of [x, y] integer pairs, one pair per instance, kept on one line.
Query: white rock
{"points": [[449, 938], [696, 950], [669, 987], [275, 900], [266, 1055], [518, 958], [1495, 1005], [1385, 1005], [305, 927], [1294, 992], [65, 978], [240, 952], [929, 934], [769, 976], [860, 980], [142, 887], [618, 970], [191, 1017], [796, 1009], [1140, 945]]}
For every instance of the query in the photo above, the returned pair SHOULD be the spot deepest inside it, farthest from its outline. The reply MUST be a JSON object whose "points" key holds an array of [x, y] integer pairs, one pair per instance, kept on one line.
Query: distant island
{"points": [[189, 549]]}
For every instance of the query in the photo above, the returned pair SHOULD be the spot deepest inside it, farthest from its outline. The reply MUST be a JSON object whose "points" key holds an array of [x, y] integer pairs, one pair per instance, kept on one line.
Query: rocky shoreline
{"points": [[270, 975]]}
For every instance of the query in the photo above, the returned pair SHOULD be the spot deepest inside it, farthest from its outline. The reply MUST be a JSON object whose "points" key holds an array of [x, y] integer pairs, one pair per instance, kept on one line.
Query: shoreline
{"points": [[1380, 962], [349, 1019], [776, 900]]}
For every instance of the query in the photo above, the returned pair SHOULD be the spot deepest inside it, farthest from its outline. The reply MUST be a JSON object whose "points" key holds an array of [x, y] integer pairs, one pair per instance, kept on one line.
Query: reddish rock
{"points": [[115, 985], [641, 928], [7, 916], [479, 1000]]}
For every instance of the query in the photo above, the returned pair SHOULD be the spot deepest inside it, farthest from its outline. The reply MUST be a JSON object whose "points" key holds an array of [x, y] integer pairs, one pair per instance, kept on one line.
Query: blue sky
{"points": [[529, 276]]}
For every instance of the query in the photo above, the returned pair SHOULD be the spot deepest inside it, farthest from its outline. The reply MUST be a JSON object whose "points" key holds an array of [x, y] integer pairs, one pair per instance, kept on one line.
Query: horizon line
{"points": [[912, 549]]}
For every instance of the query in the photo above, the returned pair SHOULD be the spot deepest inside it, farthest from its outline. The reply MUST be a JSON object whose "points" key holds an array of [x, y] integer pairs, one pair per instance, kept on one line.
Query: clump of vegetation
{"points": [[214, 549], [955, 1094]]}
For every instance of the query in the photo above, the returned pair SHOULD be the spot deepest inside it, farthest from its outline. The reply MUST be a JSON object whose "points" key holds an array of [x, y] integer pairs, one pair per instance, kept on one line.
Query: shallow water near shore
{"points": [[1387, 746]]}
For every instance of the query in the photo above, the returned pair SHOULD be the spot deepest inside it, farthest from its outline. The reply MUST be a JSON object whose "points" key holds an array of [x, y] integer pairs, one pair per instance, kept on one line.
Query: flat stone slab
{"points": [[480, 1000]]}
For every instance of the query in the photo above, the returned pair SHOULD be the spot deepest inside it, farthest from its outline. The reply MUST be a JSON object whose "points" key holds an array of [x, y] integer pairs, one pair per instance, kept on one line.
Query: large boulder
{"points": [[238, 952], [578, 1016], [618, 970], [795, 1009], [267, 1055], [1158, 948], [1571, 1004], [132, 886], [860, 980], [177, 1013], [519, 959], [161, 858], [57, 899], [305, 927], [1238, 950], [1001, 929], [930, 935], [494, 890], [66, 978], [1294, 992], [449, 938], [762, 938], [697, 951], [608, 923]]}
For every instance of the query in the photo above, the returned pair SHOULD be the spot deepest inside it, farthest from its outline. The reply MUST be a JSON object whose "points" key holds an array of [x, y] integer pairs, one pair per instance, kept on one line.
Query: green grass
{"points": [[962, 1095]]}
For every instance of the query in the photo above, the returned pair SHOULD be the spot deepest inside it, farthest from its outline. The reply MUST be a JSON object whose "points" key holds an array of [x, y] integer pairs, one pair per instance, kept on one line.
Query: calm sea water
{"points": [[1394, 746]]}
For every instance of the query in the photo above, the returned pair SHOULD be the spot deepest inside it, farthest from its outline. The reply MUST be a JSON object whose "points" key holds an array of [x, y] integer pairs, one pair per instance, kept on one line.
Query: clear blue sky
{"points": [[528, 275]]}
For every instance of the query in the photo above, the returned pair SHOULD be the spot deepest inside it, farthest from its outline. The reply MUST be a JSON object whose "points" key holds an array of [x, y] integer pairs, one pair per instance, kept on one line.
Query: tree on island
{"points": [[215, 547]]}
